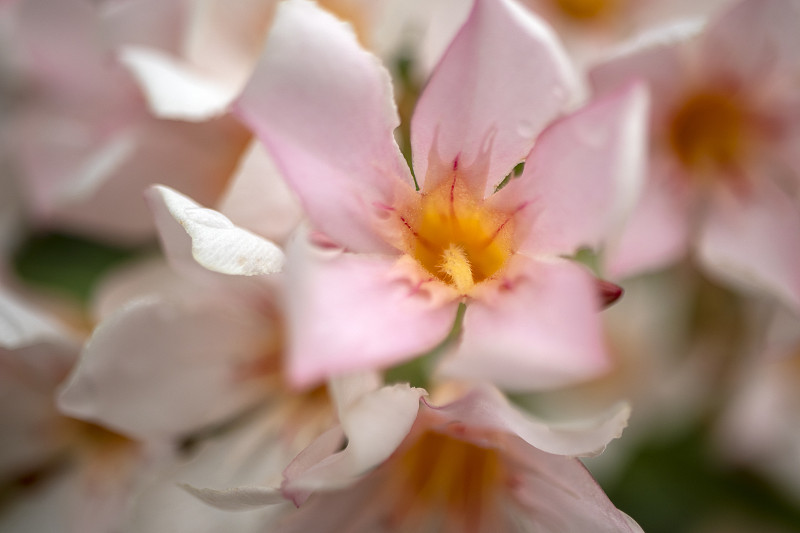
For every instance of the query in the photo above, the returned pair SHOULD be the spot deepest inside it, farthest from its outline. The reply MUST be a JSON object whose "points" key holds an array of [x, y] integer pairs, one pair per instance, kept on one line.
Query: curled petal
{"points": [[238, 498], [375, 425], [216, 243], [485, 407]]}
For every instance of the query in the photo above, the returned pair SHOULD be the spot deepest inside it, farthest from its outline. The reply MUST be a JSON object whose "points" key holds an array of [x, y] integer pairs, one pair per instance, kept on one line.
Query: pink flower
{"points": [[194, 353], [179, 351], [85, 142], [724, 155], [64, 474], [761, 423], [590, 29], [408, 258], [475, 464]]}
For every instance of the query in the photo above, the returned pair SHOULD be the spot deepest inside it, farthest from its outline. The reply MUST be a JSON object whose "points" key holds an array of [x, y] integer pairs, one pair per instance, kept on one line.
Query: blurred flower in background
{"points": [[283, 265]]}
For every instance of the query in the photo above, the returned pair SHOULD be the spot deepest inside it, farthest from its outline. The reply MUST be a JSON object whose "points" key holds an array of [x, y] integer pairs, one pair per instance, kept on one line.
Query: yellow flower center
{"points": [[442, 475], [584, 10], [456, 238], [707, 131]]}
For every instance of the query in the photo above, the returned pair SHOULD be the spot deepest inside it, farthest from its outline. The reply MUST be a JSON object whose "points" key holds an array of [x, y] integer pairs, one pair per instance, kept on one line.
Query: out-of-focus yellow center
{"points": [[707, 131], [441, 473], [458, 239], [584, 10]]}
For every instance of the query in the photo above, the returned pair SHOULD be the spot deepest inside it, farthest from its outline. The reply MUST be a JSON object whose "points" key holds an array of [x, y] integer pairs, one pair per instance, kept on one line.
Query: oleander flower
{"points": [[223, 40], [473, 464], [591, 28], [85, 143], [397, 262], [191, 353], [724, 158], [59, 473], [759, 427], [214, 343]]}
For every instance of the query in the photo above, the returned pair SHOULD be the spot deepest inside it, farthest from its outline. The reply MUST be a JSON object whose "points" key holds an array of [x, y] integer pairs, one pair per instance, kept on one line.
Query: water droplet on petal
{"points": [[525, 129]]}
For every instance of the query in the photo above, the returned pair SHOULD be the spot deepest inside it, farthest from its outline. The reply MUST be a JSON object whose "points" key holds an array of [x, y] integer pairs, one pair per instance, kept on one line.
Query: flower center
{"points": [[441, 473], [707, 132], [584, 10], [458, 239]]}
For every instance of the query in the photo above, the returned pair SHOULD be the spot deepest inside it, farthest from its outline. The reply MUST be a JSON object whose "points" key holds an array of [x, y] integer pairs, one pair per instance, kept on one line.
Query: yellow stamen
{"points": [[455, 264], [456, 238]]}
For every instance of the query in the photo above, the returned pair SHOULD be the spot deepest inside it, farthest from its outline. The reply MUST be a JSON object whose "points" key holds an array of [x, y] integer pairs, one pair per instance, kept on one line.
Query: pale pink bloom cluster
{"points": [[244, 378]]}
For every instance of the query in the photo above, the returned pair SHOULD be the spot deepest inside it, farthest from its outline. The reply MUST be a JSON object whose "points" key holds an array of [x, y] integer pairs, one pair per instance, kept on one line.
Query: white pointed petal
{"points": [[173, 90]]}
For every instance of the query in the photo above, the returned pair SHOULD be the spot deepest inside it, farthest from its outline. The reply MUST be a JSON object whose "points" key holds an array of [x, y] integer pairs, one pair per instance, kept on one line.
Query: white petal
{"points": [[173, 90], [238, 498], [216, 243], [375, 426], [487, 408]]}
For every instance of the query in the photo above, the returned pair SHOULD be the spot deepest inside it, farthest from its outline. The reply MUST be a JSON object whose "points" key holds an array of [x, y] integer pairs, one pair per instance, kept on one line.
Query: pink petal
{"points": [[216, 243], [151, 23], [657, 233], [159, 369], [62, 43], [540, 328], [661, 57], [751, 240], [86, 178], [560, 495], [502, 79], [225, 38], [324, 109], [259, 199], [486, 408], [771, 44], [583, 176], [352, 312]]}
